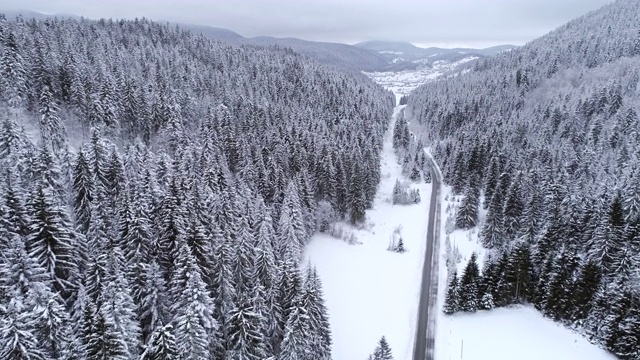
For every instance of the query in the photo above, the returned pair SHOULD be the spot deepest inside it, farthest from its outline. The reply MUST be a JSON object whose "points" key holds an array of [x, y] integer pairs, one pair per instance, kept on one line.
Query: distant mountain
{"points": [[368, 56], [213, 32], [341, 55], [28, 14], [398, 52]]}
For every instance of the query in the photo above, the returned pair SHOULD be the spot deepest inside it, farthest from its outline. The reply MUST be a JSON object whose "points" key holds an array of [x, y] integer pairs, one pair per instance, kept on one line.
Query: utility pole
{"points": [[461, 347]]}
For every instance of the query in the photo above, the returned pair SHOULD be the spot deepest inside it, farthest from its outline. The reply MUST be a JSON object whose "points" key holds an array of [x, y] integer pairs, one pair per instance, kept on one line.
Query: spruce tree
{"points": [[492, 234], [246, 342], [193, 321], [467, 216], [468, 293], [51, 240], [383, 350], [83, 188], [452, 299], [161, 345], [585, 289]]}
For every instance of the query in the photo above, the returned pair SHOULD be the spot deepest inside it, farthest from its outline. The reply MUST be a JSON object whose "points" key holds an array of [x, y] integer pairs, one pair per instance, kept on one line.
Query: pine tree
{"points": [[193, 321], [83, 188], [451, 300], [246, 342], [105, 342], [294, 344], [468, 293], [518, 275], [627, 342], [486, 302], [357, 192], [153, 305], [319, 329], [18, 340], [492, 235], [467, 216], [161, 345], [513, 209], [586, 286], [382, 351], [51, 240]]}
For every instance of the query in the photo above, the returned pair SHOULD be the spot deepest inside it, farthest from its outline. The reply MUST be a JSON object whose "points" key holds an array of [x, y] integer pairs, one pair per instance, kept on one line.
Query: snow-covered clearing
{"points": [[403, 82], [501, 334], [369, 291]]}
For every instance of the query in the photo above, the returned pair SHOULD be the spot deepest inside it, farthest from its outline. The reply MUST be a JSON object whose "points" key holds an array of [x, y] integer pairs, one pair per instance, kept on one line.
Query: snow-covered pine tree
{"points": [[452, 298], [467, 216], [468, 288], [161, 345], [383, 350]]}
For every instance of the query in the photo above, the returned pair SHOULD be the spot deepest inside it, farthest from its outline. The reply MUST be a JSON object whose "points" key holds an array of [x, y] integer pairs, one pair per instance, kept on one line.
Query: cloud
{"points": [[440, 22]]}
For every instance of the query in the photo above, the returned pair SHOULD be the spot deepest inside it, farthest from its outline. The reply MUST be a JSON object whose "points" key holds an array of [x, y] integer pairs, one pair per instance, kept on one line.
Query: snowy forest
{"points": [[546, 139], [157, 191]]}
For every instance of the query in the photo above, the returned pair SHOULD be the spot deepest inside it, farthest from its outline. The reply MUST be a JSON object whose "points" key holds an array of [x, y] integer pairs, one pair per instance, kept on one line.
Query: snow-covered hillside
{"points": [[369, 291], [500, 334]]}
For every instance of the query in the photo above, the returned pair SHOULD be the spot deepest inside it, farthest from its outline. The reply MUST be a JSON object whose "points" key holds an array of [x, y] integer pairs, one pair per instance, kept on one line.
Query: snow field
{"points": [[514, 333], [369, 291]]}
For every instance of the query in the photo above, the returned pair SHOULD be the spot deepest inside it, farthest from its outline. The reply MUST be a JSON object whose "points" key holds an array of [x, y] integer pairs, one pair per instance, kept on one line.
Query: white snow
{"points": [[518, 332], [403, 82], [369, 291], [511, 333]]}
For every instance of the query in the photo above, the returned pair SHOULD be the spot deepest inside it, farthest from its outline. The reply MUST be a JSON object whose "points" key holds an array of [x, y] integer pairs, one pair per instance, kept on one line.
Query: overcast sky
{"points": [[476, 23]]}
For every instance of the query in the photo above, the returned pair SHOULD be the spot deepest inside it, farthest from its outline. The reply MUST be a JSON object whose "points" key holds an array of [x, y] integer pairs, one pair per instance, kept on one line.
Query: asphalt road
{"points": [[423, 348]]}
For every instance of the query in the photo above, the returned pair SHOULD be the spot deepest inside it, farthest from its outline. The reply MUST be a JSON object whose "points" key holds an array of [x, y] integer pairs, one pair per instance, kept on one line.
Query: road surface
{"points": [[423, 348]]}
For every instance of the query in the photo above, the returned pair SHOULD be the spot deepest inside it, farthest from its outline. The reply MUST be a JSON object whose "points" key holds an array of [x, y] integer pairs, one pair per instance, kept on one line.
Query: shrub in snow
{"points": [[339, 232], [450, 223], [397, 244], [486, 303], [325, 216], [415, 174], [451, 257], [403, 195], [427, 176]]}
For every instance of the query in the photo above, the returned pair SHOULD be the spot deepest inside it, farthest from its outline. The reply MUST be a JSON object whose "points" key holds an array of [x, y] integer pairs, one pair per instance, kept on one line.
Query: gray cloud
{"points": [[426, 22]]}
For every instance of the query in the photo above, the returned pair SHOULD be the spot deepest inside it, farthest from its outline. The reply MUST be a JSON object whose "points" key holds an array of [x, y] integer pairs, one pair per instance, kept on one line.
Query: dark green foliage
{"points": [[468, 288], [452, 300], [467, 216], [382, 351]]}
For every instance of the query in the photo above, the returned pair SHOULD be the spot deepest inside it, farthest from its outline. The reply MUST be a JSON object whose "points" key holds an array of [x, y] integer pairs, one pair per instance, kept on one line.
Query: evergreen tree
{"points": [[193, 321], [357, 193], [452, 300], [18, 340], [382, 351], [51, 240], [319, 328], [467, 216], [161, 345], [468, 289], [294, 344], [246, 342], [585, 289], [513, 209], [492, 235], [83, 188]]}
